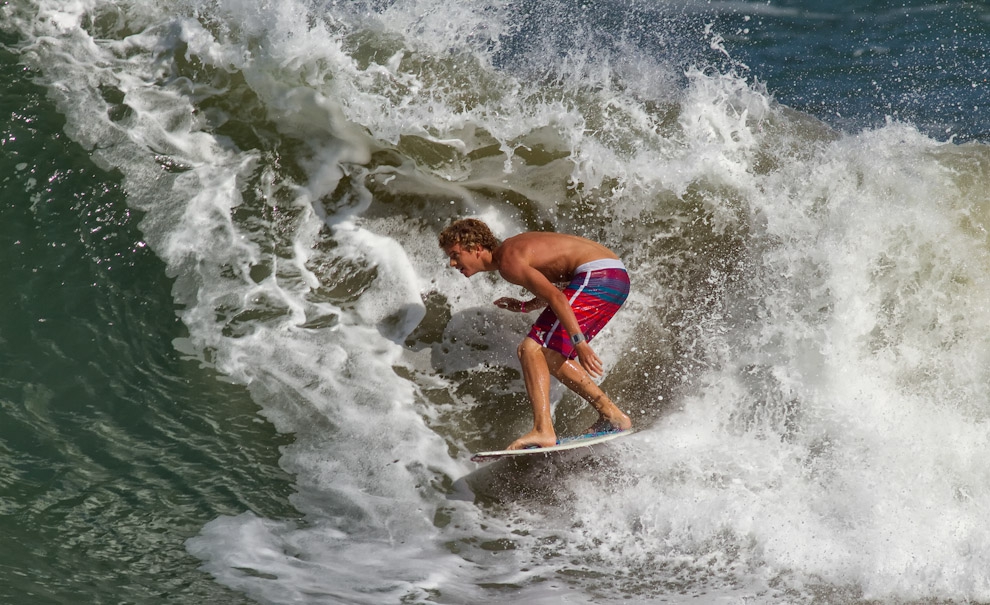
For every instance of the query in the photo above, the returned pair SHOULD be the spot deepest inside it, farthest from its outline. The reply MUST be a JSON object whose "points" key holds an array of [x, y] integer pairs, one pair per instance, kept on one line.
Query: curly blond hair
{"points": [[469, 233]]}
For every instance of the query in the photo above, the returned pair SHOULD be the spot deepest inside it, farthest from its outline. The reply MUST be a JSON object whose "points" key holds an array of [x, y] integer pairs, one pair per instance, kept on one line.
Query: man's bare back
{"points": [[555, 255]]}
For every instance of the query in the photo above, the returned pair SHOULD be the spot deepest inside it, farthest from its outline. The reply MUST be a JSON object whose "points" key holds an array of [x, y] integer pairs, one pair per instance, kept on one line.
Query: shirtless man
{"points": [[598, 285]]}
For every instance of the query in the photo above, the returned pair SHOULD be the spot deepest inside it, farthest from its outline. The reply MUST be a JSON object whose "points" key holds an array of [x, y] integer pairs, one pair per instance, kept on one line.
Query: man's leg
{"points": [[574, 377], [536, 375], [538, 364]]}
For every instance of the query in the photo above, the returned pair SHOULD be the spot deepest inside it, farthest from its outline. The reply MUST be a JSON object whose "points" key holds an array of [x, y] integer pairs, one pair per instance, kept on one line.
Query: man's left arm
{"points": [[528, 277]]}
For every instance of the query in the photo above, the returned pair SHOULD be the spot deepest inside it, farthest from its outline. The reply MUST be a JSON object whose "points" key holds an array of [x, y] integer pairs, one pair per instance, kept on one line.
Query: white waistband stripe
{"points": [[598, 265]]}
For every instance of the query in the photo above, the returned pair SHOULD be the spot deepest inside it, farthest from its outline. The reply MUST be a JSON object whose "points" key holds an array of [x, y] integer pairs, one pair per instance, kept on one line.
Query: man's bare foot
{"points": [[619, 422], [533, 439]]}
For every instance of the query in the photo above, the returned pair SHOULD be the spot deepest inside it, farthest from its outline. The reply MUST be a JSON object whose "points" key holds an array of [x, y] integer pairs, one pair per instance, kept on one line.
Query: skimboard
{"points": [[565, 443]]}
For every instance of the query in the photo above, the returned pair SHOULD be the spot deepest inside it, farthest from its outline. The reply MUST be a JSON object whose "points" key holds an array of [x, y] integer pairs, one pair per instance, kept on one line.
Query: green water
{"points": [[113, 448]]}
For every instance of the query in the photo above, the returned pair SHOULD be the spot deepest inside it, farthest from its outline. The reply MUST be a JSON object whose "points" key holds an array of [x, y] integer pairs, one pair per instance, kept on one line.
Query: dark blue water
{"points": [[856, 65]]}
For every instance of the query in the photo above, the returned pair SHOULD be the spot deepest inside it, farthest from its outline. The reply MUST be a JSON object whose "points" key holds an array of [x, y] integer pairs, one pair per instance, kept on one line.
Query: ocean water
{"points": [[235, 367]]}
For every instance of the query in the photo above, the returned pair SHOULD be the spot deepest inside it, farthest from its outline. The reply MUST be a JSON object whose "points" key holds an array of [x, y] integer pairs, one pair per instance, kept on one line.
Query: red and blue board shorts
{"points": [[595, 293]]}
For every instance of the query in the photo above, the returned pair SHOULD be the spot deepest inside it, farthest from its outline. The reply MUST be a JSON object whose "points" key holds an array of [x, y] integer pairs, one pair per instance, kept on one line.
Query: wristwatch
{"points": [[577, 338]]}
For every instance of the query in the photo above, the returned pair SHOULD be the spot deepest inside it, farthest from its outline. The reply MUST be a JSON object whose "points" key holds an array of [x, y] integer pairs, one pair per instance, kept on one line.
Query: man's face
{"points": [[467, 261]]}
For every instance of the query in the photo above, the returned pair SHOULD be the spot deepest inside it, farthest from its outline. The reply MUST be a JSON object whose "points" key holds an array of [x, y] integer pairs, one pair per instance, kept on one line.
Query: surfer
{"points": [[597, 285]]}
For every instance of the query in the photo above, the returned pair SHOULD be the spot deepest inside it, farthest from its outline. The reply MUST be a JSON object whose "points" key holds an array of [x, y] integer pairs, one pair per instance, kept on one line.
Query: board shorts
{"points": [[595, 293]]}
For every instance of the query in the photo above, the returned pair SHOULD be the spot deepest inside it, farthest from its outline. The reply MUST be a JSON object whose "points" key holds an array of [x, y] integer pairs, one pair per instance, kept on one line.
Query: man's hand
{"points": [[511, 304], [590, 361]]}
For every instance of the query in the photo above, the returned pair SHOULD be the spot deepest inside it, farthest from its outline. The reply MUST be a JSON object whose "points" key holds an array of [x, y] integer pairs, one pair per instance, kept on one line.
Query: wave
{"points": [[802, 351]]}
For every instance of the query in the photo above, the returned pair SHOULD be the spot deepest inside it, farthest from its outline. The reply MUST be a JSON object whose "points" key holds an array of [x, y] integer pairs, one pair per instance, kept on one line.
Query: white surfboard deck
{"points": [[566, 443]]}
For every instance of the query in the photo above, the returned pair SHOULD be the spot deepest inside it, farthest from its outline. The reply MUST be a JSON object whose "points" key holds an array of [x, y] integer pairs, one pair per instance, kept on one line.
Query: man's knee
{"points": [[528, 346]]}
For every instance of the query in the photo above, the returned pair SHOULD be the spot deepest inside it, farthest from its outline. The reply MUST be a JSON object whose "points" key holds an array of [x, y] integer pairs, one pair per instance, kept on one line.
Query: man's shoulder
{"points": [[531, 247], [554, 255], [536, 239]]}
